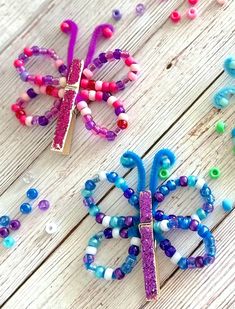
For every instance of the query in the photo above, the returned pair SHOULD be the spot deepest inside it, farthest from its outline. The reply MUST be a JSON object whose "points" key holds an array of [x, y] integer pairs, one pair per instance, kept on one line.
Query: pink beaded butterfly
{"points": [[66, 88]]}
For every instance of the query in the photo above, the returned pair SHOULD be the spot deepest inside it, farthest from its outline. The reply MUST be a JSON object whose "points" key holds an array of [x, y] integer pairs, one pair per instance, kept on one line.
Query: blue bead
{"points": [[4, 220], [158, 237], [133, 232], [119, 182], [211, 251], [90, 185], [233, 133], [177, 182], [94, 210], [201, 214], [99, 272], [192, 180], [158, 215], [32, 193], [134, 200], [86, 193], [134, 250], [112, 176], [94, 242], [114, 221], [205, 191], [25, 208], [8, 242], [128, 193], [164, 190], [184, 223], [227, 205], [209, 240], [210, 199], [171, 185], [121, 221], [203, 231], [180, 220], [183, 263]]}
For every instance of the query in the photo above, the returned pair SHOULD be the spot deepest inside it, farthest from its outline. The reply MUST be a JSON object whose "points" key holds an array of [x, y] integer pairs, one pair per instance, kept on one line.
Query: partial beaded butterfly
{"points": [[148, 226], [75, 87]]}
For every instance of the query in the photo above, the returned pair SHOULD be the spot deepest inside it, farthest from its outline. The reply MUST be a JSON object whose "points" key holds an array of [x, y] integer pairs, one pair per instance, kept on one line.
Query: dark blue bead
{"points": [[164, 190], [108, 233], [112, 176], [134, 250], [31, 93], [4, 220], [205, 191], [90, 185], [32, 193], [25, 208], [177, 182], [171, 185], [173, 223], [207, 207], [102, 58], [203, 231], [128, 193], [164, 244], [158, 215], [170, 251]]}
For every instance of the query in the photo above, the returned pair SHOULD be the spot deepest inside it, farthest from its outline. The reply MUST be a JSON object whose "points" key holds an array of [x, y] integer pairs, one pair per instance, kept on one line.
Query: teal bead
{"points": [[119, 182], [86, 193], [201, 214], [94, 242], [8, 242], [127, 162], [92, 267], [227, 205], [114, 221], [94, 210], [192, 180], [166, 163], [158, 237], [99, 272], [156, 227]]}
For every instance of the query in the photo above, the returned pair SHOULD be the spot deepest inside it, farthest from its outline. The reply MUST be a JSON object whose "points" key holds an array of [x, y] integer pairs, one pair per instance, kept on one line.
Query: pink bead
{"points": [[25, 97], [113, 87], [175, 16], [22, 119], [81, 105], [65, 27], [18, 63], [191, 13], [193, 2], [107, 32], [129, 61], [99, 96], [84, 83], [132, 76], [15, 108], [117, 104], [43, 89], [85, 94], [38, 80], [58, 63], [88, 73], [98, 85], [28, 51]]}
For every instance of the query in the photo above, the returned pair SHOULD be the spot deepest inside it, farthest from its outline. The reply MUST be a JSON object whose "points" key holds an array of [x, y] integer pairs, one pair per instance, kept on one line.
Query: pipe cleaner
{"points": [[222, 97], [75, 87], [149, 225]]}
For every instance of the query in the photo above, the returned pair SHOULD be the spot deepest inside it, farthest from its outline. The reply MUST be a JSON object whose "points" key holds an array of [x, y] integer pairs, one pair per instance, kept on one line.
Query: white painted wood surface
{"points": [[170, 106]]}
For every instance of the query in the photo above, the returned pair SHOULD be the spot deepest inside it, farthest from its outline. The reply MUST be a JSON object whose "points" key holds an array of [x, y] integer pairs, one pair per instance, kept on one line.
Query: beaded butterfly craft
{"points": [[222, 97], [148, 226], [66, 89]]}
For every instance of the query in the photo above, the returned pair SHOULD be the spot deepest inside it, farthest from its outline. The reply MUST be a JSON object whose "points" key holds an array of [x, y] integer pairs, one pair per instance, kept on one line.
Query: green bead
{"points": [[8, 242], [164, 173], [214, 173], [86, 193], [114, 221], [220, 127], [94, 210], [201, 214], [192, 180], [94, 242], [99, 272]]}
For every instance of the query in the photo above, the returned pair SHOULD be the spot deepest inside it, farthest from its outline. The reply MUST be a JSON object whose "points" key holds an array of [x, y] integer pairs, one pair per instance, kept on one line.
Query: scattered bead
{"points": [[14, 225], [25, 208], [140, 9], [191, 13], [43, 205], [227, 205], [175, 17], [51, 228], [116, 14], [163, 173], [32, 193], [107, 32], [220, 127], [214, 173], [4, 220], [193, 2], [8, 242]]}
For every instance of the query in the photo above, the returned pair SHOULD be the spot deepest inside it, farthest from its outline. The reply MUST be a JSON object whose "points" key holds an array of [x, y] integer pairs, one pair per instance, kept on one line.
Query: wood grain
{"points": [[170, 106]]}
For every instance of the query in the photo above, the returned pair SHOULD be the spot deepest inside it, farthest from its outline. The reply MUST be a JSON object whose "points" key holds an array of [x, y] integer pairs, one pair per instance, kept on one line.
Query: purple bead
{"points": [[117, 54], [124, 233], [90, 125], [43, 51], [14, 225], [120, 85], [183, 181], [88, 259], [31, 93], [118, 110], [4, 232], [48, 115], [128, 221], [140, 9], [207, 207], [23, 57], [24, 76], [48, 79], [207, 259], [97, 63], [134, 250], [159, 215], [128, 193], [43, 121], [35, 120], [170, 251], [62, 68], [193, 225], [173, 217], [103, 58], [111, 136], [35, 50], [191, 262], [99, 217], [116, 14], [88, 201], [199, 262], [108, 233], [118, 274], [164, 244], [159, 197], [106, 95], [43, 205]]}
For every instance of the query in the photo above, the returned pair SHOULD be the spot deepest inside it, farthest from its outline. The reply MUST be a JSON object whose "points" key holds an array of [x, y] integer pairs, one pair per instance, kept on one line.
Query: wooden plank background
{"points": [[169, 106]]}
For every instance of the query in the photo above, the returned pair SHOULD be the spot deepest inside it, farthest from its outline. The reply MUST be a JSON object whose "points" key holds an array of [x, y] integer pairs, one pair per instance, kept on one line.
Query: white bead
{"points": [[51, 228], [81, 105], [135, 241], [28, 177], [176, 257], [102, 175], [111, 100], [28, 121], [164, 225], [115, 232], [106, 221], [61, 93], [87, 73], [195, 217], [98, 85], [25, 97], [135, 67], [85, 111], [108, 274], [200, 183], [36, 89], [63, 82], [91, 94], [91, 250], [123, 116]]}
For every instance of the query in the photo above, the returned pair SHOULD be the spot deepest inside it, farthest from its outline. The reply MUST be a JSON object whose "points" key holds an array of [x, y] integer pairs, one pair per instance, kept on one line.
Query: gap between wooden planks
{"points": [[45, 143]]}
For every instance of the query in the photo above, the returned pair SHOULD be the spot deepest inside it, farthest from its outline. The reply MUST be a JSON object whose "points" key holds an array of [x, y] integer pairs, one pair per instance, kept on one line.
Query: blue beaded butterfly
{"points": [[149, 224]]}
